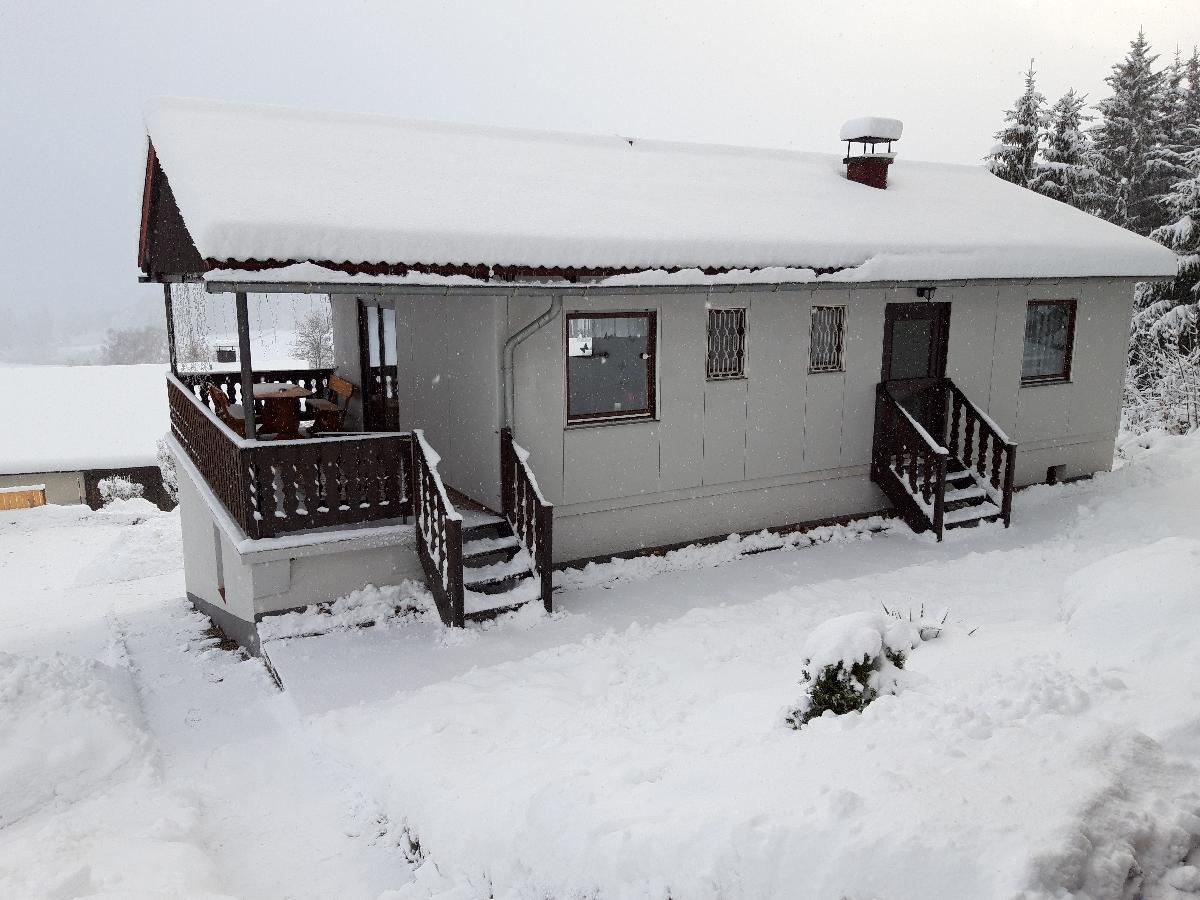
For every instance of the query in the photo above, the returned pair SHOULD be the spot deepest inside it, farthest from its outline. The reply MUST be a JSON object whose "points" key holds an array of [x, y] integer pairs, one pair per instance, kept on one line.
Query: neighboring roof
{"points": [[72, 418], [264, 183]]}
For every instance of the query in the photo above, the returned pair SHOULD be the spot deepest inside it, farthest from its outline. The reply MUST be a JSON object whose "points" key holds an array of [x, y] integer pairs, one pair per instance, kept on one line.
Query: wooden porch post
{"points": [[170, 330], [243, 324]]}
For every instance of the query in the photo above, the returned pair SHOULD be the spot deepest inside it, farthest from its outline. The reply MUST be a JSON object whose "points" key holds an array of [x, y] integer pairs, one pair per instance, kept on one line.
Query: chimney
{"points": [[870, 167]]}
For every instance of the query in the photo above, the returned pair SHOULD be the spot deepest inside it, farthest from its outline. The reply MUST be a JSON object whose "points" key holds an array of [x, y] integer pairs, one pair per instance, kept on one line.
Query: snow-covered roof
{"points": [[266, 183], [872, 126], [70, 418]]}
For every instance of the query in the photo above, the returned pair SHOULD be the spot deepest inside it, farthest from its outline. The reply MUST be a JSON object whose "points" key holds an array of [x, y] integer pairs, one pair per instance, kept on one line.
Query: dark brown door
{"points": [[377, 347], [914, 358]]}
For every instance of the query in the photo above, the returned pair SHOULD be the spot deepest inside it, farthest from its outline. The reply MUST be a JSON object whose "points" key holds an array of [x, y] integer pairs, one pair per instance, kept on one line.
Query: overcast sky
{"points": [[73, 76]]}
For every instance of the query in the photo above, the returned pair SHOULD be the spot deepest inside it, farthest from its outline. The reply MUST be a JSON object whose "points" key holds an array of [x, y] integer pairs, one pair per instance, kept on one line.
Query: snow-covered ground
{"points": [[632, 744]]}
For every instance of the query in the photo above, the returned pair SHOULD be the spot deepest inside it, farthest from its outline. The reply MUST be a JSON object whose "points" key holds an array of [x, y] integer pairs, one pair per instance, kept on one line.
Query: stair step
{"points": [[970, 514], [967, 493], [480, 546], [485, 530], [473, 518], [477, 604], [498, 576], [484, 558]]}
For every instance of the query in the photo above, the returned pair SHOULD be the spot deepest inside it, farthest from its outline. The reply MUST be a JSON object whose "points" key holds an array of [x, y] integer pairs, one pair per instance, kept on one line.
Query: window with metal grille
{"points": [[827, 339], [1049, 334], [726, 343]]}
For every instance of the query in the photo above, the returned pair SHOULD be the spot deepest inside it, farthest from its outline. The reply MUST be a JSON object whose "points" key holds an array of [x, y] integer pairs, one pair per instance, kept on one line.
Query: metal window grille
{"points": [[726, 343], [827, 339]]}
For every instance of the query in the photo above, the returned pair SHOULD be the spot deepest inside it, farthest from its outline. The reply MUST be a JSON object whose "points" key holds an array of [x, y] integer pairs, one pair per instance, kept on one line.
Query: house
{"points": [[107, 422], [570, 346]]}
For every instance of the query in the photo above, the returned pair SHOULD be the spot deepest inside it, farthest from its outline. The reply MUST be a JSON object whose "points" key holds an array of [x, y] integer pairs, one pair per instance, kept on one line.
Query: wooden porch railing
{"points": [[905, 453], [982, 446], [529, 514], [439, 534], [271, 488], [381, 397], [911, 465], [316, 380]]}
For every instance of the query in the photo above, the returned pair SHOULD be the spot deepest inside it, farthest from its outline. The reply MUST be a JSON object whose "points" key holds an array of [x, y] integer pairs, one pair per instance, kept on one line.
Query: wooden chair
{"points": [[330, 411], [229, 413]]}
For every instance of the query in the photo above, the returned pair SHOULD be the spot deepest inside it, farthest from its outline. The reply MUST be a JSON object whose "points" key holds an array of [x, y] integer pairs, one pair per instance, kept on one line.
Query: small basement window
{"points": [[610, 366], [726, 343], [827, 339], [1049, 337]]}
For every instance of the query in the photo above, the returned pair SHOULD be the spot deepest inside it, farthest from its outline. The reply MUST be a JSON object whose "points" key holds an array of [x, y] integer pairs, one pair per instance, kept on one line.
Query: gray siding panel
{"points": [[777, 366], [864, 359]]}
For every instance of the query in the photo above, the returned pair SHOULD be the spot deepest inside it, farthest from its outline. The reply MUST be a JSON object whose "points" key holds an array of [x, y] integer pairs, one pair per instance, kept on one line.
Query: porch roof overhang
{"points": [[310, 279]]}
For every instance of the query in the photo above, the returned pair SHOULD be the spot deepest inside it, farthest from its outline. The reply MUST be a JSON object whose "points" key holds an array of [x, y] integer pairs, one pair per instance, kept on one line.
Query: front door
{"points": [[377, 346], [914, 358]]}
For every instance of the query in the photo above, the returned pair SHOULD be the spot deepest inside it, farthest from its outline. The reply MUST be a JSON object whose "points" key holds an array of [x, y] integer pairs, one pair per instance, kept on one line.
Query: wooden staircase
{"points": [[480, 564], [957, 475], [498, 573]]}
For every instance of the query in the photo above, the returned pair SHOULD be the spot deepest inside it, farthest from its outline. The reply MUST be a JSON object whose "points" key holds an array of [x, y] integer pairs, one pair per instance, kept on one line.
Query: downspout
{"points": [[510, 346]]}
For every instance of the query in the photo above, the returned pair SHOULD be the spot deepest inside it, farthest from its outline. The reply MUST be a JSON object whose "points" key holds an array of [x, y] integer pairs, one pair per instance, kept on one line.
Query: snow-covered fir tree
{"points": [[1191, 95], [1015, 157], [1169, 311], [1067, 169], [1131, 142]]}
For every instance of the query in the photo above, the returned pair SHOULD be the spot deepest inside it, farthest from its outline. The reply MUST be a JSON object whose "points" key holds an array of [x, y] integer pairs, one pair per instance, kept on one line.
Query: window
{"points": [[827, 339], [1049, 334], [726, 343], [610, 366]]}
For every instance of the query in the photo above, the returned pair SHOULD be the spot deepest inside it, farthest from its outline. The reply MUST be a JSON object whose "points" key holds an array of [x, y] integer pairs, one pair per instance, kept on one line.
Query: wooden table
{"points": [[281, 408]]}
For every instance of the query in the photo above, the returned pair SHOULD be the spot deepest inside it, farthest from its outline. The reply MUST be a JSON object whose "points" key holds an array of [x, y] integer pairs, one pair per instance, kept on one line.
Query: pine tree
{"points": [[1015, 157], [1130, 142], [1191, 96], [1172, 310], [1067, 170]]}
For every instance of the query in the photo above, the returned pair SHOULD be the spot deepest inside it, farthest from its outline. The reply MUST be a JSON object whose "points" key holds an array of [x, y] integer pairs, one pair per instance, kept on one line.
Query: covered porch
{"points": [[280, 486]]}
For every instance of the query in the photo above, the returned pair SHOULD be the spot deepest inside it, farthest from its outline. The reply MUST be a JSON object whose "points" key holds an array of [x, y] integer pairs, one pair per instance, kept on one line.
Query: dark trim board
{"points": [[237, 629], [809, 525]]}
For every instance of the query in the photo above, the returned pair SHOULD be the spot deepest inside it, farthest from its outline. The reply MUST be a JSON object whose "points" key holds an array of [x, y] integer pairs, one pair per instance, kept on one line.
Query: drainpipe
{"points": [[510, 346]]}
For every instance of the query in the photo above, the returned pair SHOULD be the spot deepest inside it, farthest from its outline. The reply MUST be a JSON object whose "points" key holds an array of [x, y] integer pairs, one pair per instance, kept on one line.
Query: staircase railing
{"points": [[906, 454], [983, 447], [439, 534], [529, 513]]}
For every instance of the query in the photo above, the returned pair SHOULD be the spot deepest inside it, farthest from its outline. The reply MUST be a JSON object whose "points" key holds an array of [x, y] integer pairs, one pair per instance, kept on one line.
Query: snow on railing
{"points": [[529, 513], [439, 533]]}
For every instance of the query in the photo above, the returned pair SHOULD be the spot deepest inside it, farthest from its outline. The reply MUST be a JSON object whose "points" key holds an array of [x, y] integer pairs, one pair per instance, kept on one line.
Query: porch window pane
{"points": [[610, 366], [389, 336], [827, 339], [726, 343], [373, 336], [1049, 334]]}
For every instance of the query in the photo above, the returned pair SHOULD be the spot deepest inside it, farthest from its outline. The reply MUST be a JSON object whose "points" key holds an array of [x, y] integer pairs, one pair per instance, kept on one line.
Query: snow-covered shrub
{"points": [[118, 487], [166, 465], [928, 627], [849, 661]]}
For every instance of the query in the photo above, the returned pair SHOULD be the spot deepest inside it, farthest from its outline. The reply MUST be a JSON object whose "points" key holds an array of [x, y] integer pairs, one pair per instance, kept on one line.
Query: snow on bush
{"points": [[849, 661], [118, 487], [67, 726], [367, 606]]}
